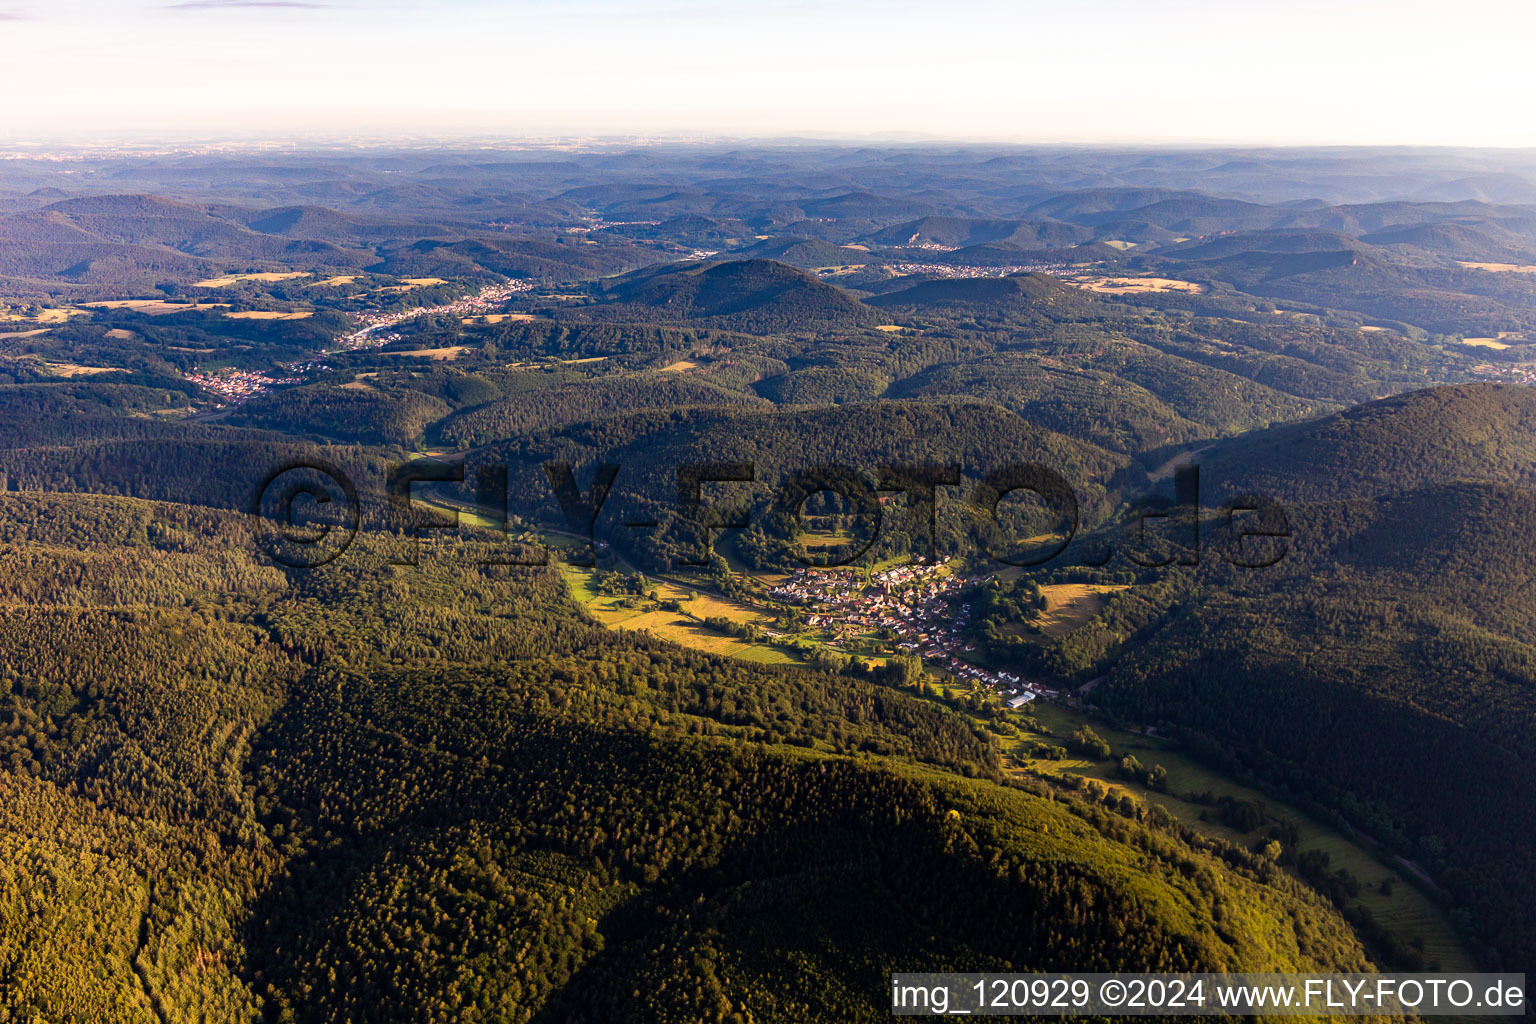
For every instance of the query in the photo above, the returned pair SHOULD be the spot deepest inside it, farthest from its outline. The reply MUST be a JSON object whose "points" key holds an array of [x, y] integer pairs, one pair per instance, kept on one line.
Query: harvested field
{"points": [[232, 279], [1139, 285]]}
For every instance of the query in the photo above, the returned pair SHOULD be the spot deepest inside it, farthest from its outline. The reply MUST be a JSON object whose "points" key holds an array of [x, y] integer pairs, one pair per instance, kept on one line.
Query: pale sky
{"points": [[1134, 71]]}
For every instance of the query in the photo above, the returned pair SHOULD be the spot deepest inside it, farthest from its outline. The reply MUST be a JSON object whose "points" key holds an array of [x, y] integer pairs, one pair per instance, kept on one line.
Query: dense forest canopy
{"points": [[578, 726]]}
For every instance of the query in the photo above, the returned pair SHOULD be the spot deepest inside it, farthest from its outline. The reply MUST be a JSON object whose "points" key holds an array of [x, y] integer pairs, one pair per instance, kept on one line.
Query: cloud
{"points": [[238, 5], [12, 16]]}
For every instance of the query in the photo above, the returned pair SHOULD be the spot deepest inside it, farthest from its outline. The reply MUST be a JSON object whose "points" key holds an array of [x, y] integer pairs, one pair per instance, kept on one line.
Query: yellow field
{"points": [[25, 334], [410, 283], [1139, 285], [1121, 244], [271, 314], [336, 282], [817, 540], [76, 370], [439, 354], [680, 366], [229, 279], [118, 334], [155, 307], [891, 328], [47, 316], [1069, 605], [358, 385], [1492, 343], [675, 627], [1500, 268]]}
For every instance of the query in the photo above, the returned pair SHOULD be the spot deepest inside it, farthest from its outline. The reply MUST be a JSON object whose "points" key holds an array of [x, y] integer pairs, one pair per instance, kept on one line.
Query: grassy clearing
{"points": [[337, 281], [1502, 340], [76, 370], [1119, 243], [232, 279], [891, 328], [1139, 285], [1408, 913], [680, 366], [25, 334], [118, 334], [408, 284], [635, 613], [1165, 471], [58, 315], [156, 307], [466, 515], [437, 354], [271, 314], [1070, 605]]}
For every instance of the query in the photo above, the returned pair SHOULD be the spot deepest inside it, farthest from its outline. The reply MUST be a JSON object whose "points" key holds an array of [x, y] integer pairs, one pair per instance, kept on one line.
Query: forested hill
{"points": [[650, 447], [393, 792], [1020, 289], [1427, 436], [1386, 667], [752, 294]]}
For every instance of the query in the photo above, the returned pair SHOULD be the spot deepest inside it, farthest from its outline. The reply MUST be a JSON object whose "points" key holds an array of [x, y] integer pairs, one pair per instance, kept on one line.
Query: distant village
{"points": [[1509, 373], [236, 386], [963, 271], [915, 603], [367, 336]]}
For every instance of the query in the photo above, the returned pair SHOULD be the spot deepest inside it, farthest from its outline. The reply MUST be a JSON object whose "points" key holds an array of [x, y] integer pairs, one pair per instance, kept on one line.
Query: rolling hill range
{"points": [[118, 227], [960, 232], [807, 254], [136, 241], [493, 772]]}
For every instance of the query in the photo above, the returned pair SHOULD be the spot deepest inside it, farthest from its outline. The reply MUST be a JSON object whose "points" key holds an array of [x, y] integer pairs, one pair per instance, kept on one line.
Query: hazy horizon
{"points": [[1181, 73]]}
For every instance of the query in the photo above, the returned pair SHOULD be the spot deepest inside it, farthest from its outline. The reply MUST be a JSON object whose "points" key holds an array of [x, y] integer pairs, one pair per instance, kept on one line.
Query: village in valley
{"points": [[920, 607], [373, 328]]}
